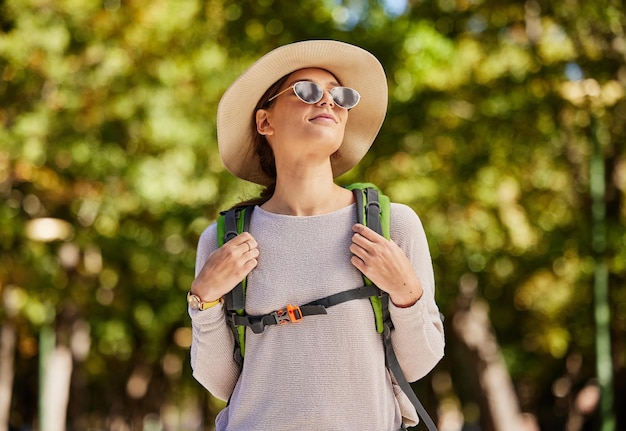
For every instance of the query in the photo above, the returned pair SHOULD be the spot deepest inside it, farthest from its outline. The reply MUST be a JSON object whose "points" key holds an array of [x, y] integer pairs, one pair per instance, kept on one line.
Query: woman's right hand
{"points": [[226, 267]]}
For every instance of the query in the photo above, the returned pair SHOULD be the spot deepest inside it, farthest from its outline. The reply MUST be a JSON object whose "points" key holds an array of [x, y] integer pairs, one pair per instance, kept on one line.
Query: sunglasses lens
{"points": [[345, 97], [308, 92]]}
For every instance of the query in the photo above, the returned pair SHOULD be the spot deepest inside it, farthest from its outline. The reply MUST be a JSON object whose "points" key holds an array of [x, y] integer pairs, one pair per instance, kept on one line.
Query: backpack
{"points": [[373, 211]]}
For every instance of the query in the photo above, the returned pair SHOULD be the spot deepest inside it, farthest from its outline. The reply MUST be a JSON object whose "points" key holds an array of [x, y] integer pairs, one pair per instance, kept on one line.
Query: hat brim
{"points": [[352, 66]]}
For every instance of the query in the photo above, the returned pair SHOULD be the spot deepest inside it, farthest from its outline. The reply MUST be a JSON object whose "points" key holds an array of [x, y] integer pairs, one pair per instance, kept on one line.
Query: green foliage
{"points": [[107, 127]]}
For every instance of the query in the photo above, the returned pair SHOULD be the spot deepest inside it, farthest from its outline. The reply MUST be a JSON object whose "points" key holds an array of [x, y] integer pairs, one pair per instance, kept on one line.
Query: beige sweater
{"points": [[326, 372]]}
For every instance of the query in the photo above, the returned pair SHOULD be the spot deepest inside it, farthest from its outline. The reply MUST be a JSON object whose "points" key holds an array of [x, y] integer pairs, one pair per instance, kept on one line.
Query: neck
{"points": [[307, 196]]}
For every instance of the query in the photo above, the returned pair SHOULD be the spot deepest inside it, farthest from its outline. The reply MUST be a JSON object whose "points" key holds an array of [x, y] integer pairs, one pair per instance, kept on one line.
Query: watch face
{"points": [[194, 302]]}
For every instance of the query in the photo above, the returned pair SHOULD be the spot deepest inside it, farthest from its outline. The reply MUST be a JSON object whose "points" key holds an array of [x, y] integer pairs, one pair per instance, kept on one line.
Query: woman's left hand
{"points": [[386, 265]]}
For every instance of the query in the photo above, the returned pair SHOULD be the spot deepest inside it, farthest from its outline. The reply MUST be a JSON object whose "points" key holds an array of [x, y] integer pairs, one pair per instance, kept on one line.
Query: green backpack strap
{"points": [[373, 207], [230, 224], [373, 211]]}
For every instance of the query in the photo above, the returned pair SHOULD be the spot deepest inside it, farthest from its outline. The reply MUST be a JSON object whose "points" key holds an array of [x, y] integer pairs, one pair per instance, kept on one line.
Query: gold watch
{"points": [[195, 303]]}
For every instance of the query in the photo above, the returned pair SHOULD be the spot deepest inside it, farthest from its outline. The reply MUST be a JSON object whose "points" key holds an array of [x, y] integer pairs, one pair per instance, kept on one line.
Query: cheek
{"points": [[344, 116]]}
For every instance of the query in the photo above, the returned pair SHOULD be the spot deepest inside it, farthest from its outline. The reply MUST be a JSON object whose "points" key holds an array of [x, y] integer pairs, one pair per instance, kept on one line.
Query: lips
{"points": [[324, 116]]}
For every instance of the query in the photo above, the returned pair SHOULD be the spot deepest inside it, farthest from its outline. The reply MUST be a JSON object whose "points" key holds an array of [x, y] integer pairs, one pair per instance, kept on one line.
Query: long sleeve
{"points": [[418, 338], [212, 347], [313, 371]]}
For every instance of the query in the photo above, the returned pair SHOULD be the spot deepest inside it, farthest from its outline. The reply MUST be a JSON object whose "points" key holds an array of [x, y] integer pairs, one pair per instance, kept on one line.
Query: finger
{"points": [[241, 238], [358, 263], [244, 243], [357, 252], [360, 241], [249, 246], [362, 245], [366, 232], [252, 243]]}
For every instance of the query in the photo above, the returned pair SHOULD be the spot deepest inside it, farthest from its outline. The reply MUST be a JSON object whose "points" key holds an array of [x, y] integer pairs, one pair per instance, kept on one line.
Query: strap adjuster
{"points": [[288, 314]]}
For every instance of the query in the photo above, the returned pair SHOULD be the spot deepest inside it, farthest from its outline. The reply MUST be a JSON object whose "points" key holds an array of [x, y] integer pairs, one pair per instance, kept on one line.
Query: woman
{"points": [[287, 123]]}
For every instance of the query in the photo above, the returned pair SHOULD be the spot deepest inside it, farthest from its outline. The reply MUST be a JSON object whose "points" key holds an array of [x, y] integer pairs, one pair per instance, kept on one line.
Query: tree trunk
{"points": [[7, 357], [55, 375], [473, 328]]}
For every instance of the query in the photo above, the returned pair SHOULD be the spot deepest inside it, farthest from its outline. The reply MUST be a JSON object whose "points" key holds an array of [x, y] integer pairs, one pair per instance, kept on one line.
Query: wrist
{"points": [[406, 297], [203, 291], [404, 303], [196, 303]]}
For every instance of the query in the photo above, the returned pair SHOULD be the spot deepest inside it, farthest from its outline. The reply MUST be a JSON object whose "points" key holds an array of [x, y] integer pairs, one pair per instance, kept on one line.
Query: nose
{"points": [[327, 98]]}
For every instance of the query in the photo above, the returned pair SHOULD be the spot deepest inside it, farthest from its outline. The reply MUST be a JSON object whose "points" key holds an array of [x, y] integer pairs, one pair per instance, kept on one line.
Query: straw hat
{"points": [[352, 66]]}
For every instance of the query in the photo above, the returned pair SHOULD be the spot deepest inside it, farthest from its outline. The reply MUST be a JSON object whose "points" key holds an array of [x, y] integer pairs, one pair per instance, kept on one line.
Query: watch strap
{"points": [[197, 303], [210, 304]]}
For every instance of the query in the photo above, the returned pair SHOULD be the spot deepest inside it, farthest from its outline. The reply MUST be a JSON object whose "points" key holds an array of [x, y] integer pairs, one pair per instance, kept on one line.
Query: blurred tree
{"points": [[109, 172], [499, 101]]}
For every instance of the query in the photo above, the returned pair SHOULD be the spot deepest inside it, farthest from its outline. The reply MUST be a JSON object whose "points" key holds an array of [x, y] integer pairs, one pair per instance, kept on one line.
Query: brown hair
{"points": [[263, 149]]}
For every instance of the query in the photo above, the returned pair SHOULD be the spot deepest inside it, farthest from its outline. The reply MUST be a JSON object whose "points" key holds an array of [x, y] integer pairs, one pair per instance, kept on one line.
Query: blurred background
{"points": [[506, 132]]}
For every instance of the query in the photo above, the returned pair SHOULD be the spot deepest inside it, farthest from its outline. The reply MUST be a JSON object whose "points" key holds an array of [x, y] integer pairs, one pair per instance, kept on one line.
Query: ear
{"points": [[263, 125]]}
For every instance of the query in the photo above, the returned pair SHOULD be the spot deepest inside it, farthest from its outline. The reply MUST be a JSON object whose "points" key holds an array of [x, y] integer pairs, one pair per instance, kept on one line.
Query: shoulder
{"points": [[207, 243], [404, 217], [208, 239], [405, 226]]}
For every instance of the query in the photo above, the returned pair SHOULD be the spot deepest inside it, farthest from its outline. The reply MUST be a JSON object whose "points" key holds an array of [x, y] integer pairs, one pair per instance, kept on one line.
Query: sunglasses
{"points": [[311, 93]]}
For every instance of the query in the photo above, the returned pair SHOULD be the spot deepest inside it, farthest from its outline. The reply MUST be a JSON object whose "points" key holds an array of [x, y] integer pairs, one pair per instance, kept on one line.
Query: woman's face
{"points": [[295, 128]]}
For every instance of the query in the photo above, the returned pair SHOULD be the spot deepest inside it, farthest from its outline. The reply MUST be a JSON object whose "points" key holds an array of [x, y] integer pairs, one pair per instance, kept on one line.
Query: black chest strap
{"points": [[292, 313]]}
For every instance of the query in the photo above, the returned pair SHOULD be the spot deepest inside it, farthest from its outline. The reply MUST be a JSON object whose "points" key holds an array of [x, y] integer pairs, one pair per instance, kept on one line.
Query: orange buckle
{"points": [[288, 314]]}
